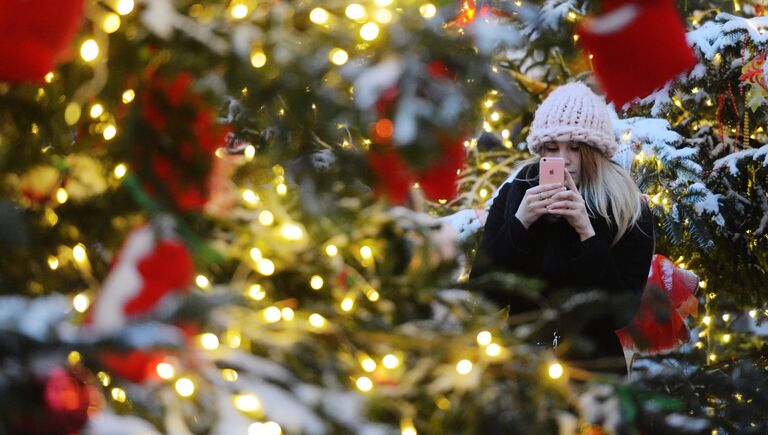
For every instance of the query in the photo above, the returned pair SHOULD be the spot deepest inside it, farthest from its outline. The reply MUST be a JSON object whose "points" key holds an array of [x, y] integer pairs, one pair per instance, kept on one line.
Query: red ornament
{"points": [[439, 181], [182, 136], [64, 404], [628, 59], [669, 298], [393, 176], [34, 35], [135, 365]]}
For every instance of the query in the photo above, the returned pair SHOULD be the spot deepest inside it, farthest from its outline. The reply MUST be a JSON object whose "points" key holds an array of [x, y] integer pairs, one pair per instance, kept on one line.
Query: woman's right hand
{"points": [[535, 202]]}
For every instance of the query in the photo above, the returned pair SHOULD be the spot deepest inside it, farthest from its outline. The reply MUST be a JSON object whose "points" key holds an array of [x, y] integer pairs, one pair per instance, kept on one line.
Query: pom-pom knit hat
{"points": [[573, 113]]}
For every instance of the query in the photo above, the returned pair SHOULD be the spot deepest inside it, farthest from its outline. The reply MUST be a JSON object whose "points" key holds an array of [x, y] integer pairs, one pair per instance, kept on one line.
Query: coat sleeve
{"points": [[623, 268], [506, 243]]}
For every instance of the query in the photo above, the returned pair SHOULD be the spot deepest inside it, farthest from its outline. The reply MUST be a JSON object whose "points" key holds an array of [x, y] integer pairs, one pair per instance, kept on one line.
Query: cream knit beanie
{"points": [[573, 112]]}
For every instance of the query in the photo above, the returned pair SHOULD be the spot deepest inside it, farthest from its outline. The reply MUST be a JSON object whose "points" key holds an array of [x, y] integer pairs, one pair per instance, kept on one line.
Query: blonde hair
{"points": [[609, 191], [607, 188]]}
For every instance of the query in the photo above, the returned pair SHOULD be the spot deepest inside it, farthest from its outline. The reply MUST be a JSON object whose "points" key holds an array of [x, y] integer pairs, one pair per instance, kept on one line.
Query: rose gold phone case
{"points": [[551, 170]]}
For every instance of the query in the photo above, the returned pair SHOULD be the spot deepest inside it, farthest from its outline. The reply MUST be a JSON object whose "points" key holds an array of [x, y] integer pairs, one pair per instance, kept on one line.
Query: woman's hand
{"points": [[570, 205], [535, 202]]}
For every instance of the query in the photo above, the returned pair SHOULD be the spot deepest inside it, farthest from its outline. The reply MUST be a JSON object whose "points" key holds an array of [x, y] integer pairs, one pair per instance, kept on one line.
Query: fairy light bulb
{"points": [[111, 23], [753, 313], [706, 320], [364, 383], [89, 50], [287, 314], [250, 197], [120, 170], [258, 59], [78, 252], [165, 370], [484, 338], [331, 250], [239, 11], [407, 428], [355, 12], [316, 282], [125, 7], [247, 402], [291, 232], [256, 292], [74, 358], [493, 349], [185, 387], [255, 254], [268, 428], [110, 131], [266, 218], [319, 16], [61, 195], [464, 367], [495, 116], [273, 314], [49, 77], [202, 281], [555, 370], [249, 152], [265, 267], [317, 320], [368, 364], [96, 110], [369, 31], [383, 16], [118, 395], [128, 96], [366, 252], [347, 304], [726, 317], [81, 302], [390, 361], [53, 262], [726, 338], [338, 56], [229, 375], [209, 341], [427, 10], [104, 379], [281, 189]]}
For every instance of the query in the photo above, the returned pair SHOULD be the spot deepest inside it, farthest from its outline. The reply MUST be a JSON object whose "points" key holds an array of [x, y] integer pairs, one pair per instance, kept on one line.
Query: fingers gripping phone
{"points": [[551, 170]]}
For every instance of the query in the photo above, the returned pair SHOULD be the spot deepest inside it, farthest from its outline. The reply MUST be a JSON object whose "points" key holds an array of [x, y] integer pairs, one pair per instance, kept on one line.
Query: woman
{"points": [[593, 232]]}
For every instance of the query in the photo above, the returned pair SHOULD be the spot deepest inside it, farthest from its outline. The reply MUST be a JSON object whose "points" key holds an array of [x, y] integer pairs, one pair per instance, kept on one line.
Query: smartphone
{"points": [[551, 170]]}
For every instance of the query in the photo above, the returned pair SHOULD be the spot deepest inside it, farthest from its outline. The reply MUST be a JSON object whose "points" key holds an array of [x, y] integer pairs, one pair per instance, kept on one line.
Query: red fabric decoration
{"points": [[393, 176], [175, 114], [669, 298], [628, 61], [135, 365], [439, 181], [167, 268], [146, 269], [35, 33]]}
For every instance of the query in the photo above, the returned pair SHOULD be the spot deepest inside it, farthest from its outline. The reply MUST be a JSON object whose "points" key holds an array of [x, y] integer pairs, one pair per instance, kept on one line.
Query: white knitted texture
{"points": [[573, 112]]}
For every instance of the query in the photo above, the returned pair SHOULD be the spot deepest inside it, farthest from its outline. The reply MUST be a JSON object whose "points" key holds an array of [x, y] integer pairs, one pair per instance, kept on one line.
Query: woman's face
{"points": [[568, 151]]}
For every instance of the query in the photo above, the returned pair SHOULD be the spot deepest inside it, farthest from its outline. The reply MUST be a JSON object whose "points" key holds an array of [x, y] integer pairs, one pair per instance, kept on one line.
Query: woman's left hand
{"points": [[570, 205]]}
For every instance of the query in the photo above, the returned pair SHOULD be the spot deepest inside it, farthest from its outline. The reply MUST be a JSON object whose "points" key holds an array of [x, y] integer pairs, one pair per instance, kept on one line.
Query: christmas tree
{"points": [[259, 217]]}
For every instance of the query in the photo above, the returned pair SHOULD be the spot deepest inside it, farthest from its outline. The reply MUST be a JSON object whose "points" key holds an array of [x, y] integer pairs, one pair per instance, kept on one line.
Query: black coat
{"points": [[551, 250]]}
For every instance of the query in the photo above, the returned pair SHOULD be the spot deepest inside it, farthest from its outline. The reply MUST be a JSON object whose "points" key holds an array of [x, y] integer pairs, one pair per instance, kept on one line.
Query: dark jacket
{"points": [[551, 250]]}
